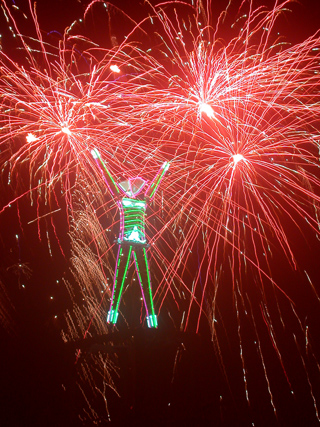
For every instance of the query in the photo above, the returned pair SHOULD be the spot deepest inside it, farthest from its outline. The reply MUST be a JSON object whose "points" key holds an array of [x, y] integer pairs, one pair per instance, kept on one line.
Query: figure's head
{"points": [[133, 186]]}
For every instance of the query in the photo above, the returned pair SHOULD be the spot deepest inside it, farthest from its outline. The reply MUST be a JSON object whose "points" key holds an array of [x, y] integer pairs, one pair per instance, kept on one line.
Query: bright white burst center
{"points": [[115, 68], [66, 130], [237, 158], [31, 138], [207, 109]]}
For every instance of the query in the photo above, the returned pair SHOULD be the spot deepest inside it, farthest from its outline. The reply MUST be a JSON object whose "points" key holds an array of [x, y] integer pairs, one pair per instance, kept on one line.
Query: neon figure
{"points": [[132, 239]]}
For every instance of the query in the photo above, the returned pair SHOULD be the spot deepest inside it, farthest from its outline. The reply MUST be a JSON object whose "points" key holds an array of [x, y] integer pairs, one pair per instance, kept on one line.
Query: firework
{"points": [[240, 121], [235, 111]]}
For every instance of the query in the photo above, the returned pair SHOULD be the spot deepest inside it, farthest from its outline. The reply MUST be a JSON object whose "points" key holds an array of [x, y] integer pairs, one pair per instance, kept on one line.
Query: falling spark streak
{"points": [[43, 216]]}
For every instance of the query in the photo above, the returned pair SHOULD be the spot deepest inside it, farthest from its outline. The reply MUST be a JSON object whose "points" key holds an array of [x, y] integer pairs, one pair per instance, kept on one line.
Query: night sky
{"points": [[166, 377]]}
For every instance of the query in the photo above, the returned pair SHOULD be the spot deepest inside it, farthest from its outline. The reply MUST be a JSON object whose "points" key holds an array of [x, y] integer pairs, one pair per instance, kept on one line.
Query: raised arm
{"points": [[153, 187], [107, 176]]}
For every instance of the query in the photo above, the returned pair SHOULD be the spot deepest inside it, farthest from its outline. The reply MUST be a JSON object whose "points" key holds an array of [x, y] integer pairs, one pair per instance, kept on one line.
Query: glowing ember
{"points": [[66, 130], [237, 158], [31, 138], [115, 68], [207, 109]]}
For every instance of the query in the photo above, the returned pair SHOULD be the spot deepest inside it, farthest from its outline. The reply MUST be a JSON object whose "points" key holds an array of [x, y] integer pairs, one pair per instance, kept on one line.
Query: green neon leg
{"points": [[122, 266], [142, 268]]}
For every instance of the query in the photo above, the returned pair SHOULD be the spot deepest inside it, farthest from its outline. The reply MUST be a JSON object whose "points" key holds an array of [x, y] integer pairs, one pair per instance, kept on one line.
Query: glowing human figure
{"points": [[132, 239]]}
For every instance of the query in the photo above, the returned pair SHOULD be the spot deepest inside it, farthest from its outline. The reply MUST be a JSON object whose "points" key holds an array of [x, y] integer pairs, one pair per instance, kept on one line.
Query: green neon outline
{"points": [[157, 183], [123, 279], [149, 280], [109, 174], [138, 269], [117, 271]]}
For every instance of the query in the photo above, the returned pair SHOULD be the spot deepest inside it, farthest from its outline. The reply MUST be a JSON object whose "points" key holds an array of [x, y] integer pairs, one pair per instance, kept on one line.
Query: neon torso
{"points": [[132, 221]]}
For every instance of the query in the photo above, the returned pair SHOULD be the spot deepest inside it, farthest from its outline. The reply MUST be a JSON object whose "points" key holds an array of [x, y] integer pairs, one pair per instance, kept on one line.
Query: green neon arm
{"points": [[107, 175], [151, 190]]}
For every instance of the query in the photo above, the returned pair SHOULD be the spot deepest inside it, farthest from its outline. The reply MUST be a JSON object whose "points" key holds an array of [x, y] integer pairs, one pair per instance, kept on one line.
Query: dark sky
{"points": [[166, 377]]}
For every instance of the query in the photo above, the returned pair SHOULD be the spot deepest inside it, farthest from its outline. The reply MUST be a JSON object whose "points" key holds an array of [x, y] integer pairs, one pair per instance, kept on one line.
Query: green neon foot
{"points": [[112, 316], [152, 321]]}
